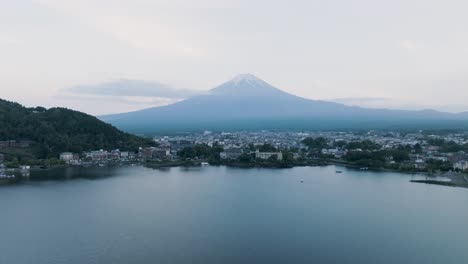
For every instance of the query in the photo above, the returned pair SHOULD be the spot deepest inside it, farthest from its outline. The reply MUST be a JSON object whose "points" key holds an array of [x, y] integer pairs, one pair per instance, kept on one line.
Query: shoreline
{"points": [[456, 179]]}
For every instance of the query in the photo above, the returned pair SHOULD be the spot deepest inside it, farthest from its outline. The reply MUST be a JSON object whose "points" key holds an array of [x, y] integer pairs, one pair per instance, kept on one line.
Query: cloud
{"points": [[148, 34], [127, 100], [132, 88], [407, 44], [7, 39], [132, 24], [101, 104]]}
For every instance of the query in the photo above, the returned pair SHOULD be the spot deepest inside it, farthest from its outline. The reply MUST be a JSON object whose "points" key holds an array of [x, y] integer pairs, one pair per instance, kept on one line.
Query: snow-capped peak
{"points": [[246, 77]]}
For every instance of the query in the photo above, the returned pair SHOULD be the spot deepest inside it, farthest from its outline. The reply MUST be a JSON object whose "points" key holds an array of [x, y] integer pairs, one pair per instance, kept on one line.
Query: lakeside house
{"points": [[231, 153], [267, 155], [461, 165], [161, 153], [146, 153], [97, 155], [335, 152], [124, 155], [155, 153], [66, 156], [114, 155]]}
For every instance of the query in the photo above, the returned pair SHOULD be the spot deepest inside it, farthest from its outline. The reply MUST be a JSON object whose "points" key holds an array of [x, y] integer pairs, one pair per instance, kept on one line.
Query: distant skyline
{"points": [[389, 54]]}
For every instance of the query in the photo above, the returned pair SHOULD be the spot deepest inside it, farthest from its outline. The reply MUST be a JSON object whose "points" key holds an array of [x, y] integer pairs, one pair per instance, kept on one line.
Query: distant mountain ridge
{"points": [[247, 102]]}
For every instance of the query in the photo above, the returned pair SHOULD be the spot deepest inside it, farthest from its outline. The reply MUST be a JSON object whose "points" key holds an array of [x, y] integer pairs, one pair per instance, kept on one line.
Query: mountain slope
{"points": [[58, 129], [247, 102]]}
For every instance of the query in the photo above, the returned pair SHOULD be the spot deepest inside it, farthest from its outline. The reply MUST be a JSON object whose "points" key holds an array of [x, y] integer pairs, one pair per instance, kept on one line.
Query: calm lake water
{"points": [[223, 215]]}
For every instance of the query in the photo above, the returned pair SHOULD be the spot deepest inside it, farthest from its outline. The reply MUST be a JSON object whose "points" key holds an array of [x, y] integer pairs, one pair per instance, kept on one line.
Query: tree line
{"points": [[57, 130]]}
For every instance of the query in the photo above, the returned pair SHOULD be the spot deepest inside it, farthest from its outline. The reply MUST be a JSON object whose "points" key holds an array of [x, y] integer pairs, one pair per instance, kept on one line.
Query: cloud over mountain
{"points": [[126, 87]]}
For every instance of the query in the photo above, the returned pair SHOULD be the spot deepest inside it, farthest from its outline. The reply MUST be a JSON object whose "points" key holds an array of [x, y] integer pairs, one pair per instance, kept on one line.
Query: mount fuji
{"points": [[249, 103]]}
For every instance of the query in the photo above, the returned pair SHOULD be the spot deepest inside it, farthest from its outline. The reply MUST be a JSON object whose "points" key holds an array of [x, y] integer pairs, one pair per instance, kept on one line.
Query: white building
{"points": [[337, 153], [66, 156], [231, 153], [97, 155], [267, 155], [461, 165]]}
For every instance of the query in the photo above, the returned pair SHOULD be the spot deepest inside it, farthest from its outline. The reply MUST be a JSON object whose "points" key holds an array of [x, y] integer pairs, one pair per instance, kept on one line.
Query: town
{"points": [[415, 152]]}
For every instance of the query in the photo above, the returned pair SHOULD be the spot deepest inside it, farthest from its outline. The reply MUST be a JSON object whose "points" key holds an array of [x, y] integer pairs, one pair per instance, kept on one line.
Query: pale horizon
{"points": [[400, 55]]}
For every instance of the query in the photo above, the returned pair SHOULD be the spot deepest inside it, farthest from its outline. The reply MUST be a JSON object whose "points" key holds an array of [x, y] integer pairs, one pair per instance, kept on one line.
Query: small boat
{"points": [[102, 165], [339, 171], [205, 164], [364, 168]]}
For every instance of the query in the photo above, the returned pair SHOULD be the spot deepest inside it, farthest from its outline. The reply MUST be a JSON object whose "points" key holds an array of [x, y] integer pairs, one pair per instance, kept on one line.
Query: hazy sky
{"points": [[400, 54]]}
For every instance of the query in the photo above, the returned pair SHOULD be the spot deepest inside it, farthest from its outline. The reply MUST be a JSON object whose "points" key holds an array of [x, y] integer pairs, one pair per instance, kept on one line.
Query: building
{"points": [[231, 153], [267, 155], [420, 163], [147, 153], [98, 155], [124, 155], [66, 156], [114, 155], [132, 156], [461, 165], [440, 158], [337, 153], [459, 156], [161, 153]]}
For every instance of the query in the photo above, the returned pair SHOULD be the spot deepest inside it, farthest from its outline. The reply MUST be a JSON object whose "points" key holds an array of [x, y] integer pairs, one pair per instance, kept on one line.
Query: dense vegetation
{"points": [[447, 146], [315, 143], [377, 158], [369, 154], [247, 159], [363, 145], [321, 143], [57, 130], [201, 151]]}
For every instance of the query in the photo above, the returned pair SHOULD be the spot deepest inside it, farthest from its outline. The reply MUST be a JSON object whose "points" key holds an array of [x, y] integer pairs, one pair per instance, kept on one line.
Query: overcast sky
{"points": [[407, 54]]}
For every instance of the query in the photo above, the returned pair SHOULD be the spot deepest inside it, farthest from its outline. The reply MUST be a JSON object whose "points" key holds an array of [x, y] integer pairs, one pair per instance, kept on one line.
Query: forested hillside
{"points": [[57, 130]]}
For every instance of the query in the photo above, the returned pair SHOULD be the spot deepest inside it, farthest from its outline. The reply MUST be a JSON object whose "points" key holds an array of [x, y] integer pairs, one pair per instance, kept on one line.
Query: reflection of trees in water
{"points": [[71, 173], [190, 169], [68, 174], [163, 169]]}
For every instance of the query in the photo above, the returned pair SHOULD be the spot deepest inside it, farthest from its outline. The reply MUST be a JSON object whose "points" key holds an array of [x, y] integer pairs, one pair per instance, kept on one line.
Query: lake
{"points": [[205, 215]]}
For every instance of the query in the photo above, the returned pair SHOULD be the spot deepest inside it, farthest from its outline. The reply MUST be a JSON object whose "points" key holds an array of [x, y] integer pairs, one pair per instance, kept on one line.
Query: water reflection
{"points": [[217, 215]]}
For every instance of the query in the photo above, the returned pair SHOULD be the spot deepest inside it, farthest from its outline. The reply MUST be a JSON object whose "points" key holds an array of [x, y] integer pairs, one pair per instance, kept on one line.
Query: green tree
{"points": [[315, 143], [418, 149]]}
